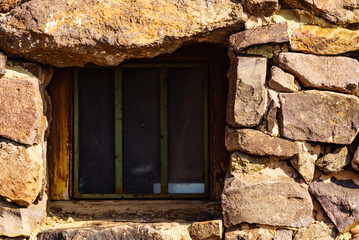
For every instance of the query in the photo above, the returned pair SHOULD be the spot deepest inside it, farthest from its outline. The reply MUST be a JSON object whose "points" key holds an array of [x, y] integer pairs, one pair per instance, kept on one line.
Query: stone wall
{"points": [[292, 110]]}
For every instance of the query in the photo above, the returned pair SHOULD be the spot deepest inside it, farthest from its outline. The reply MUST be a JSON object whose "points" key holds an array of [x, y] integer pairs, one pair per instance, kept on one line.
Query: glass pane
{"points": [[186, 129], [141, 129], [96, 131]]}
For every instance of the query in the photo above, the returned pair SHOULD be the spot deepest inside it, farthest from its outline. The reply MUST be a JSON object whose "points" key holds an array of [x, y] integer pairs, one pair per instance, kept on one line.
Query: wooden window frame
{"points": [[60, 141]]}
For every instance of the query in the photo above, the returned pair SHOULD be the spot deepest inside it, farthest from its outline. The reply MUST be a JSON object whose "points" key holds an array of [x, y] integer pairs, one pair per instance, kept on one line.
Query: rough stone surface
{"points": [[128, 231], [318, 231], [258, 143], [270, 197], [275, 33], [337, 11], [325, 41], [283, 234], [22, 116], [355, 160], [21, 172], [72, 33], [246, 102], [211, 230], [320, 117], [260, 8], [7, 5], [18, 221], [305, 160], [339, 197], [282, 81], [322, 72], [270, 123], [248, 163], [2, 64], [334, 162], [246, 232]]}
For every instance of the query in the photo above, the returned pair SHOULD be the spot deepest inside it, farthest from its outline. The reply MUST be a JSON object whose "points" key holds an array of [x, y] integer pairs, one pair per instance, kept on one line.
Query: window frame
{"points": [[118, 80]]}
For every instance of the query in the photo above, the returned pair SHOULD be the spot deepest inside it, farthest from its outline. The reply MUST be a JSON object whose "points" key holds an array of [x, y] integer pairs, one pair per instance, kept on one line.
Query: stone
{"points": [[324, 40], [7, 5], [255, 22], [74, 33], [17, 221], [283, 234], [321, 116], [305, 160], [316, 231], [22, 117], [247, 163], [334, 162], [246, 232], [339, 198], [130, 231], [211, 230], [355, 160], [322, 72], [258, 143], [275, 33], [260, 8], [270, 197], [2, 64], [282, 81], [336, 11], [22, 173], [246, 102], [270, 122]]}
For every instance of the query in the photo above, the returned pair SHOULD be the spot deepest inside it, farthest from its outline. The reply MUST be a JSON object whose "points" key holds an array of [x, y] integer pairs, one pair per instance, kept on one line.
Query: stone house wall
{"points": [[292, 108]]}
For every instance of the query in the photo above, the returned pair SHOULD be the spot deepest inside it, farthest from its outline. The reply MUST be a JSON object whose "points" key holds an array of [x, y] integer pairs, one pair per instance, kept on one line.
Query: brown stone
{"points": [[337, 11], [320, 117], [305, 160], [355, 160], [334, 162], [2, 64], [18, 221], [318, 231], [275, 33], [324, 41], [246, 232], [247, 163], [21, 172], [246, 102], [22, 116], [260, 8], [270, 197], [339, 197], [257, 143], [322, 72], [72, 33], [282, 81], [7, 5], [211, 230], [130, 231]]}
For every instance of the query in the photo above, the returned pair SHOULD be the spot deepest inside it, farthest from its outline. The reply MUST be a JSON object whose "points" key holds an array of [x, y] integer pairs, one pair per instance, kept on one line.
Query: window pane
{"points": [[186, 129], [141, 129], [96, 131]]}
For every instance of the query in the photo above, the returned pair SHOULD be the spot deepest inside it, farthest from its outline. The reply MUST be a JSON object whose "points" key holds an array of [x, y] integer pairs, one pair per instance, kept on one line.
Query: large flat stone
{"points": [[324, 41], [246, 102], [22, 116], [72, 33], [22, 173], [18, 221], [258, 143], [339, 196], [270, 197], [125, 231], [322, 72], [337, 11], [320, 117], [275, 33]]}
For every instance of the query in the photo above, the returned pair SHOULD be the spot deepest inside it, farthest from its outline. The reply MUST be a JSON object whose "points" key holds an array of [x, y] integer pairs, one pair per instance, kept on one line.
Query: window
{"points": [[141, 131]]}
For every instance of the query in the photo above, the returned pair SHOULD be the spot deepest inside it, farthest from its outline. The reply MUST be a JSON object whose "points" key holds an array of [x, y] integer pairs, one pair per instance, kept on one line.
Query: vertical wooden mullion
{"points": [[76, 134], [163, 130], [118, 132]]}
